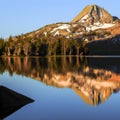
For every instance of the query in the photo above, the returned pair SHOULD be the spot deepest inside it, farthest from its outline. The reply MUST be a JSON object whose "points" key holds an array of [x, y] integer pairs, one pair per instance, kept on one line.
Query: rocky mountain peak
{"points": [[93, 14]]}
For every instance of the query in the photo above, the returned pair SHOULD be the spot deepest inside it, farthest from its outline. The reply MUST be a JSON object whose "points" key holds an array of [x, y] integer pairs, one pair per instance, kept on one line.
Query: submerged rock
{"points": [[11, 101]]}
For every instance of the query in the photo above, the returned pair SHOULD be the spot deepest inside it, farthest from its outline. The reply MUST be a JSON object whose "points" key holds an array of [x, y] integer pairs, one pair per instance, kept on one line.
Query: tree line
{"points": [[41, 46]]}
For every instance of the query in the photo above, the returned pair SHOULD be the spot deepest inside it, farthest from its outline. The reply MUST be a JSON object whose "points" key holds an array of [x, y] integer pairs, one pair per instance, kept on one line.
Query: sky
{"points": [[23, 16]]}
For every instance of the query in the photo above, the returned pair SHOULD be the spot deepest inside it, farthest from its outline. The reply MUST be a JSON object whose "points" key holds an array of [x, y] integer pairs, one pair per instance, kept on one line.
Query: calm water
{"points": [[69, 88]]}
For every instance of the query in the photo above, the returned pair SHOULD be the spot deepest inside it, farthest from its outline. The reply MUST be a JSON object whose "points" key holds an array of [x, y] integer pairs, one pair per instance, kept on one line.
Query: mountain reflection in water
{"points": [[93, 79]]}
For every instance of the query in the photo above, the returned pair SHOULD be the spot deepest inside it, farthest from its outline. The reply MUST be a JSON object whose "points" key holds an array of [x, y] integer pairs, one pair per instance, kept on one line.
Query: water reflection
{"points": [[93, 79]]}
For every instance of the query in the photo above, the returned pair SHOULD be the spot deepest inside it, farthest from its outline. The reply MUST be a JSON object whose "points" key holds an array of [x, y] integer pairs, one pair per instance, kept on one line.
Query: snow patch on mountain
{"points": [[99, 26], [45, 33], [62, 27], [56, 33], [83, 18]]}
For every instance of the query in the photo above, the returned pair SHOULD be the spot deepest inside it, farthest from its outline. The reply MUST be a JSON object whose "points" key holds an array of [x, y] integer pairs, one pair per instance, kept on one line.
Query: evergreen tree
{"points": [[2, 44]]}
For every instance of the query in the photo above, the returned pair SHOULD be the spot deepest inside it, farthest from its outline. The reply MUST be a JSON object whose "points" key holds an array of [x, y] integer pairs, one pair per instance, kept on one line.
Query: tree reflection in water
{"points": [[93, 79]]}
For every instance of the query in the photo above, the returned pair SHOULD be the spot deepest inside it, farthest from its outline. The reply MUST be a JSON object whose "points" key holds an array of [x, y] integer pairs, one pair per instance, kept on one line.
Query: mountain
{"points": [[93, 23], [91, 18], [93, 14]]}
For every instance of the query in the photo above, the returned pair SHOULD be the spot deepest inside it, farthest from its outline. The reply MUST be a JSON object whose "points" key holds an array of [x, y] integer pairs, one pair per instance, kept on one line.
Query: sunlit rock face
{"points": [[93, 14]]}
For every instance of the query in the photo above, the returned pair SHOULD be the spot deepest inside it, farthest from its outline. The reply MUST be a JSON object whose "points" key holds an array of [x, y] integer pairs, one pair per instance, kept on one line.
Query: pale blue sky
{"points": [[22, 16]]}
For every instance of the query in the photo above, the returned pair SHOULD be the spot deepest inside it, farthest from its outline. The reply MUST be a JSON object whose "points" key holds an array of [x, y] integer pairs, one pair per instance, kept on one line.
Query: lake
{"points": [[64, 88]]}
